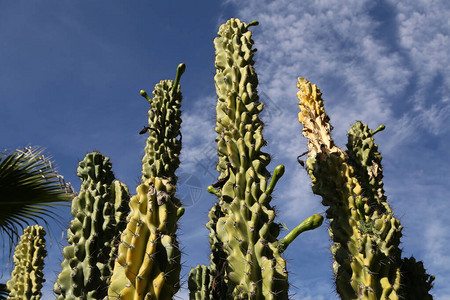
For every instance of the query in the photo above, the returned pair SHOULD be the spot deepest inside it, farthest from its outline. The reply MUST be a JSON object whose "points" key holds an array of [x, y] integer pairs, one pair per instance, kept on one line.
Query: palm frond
{"points": [[29, 188], [3, 291]]}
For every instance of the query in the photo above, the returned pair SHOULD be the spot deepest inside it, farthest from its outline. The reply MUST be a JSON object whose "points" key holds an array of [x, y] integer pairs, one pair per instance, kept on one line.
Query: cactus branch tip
{"points": [[311, 223], [277, 174], [145, 95], [212, 190], [380, 128], [180, 70], [253, 23], [180, 212]]}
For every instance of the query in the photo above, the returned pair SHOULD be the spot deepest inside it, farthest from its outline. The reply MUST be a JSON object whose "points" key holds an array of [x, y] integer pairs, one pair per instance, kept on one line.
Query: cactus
{"points": [[416, 283], [365, 233], [27, 277], [163, 146], [148, 265], [246, 227], [99, 212], [208, 282]]}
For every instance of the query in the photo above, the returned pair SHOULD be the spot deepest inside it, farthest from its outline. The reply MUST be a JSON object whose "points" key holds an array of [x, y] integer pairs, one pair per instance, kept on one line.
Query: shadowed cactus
{"points": [[99, 212], [27, 277], [148, 263], [365, 233]]}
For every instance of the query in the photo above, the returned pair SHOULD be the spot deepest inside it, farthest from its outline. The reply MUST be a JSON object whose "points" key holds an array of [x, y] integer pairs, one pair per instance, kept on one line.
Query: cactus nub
{"points": [[99, 213], [27, 277], [365, 233], [148, 264]]}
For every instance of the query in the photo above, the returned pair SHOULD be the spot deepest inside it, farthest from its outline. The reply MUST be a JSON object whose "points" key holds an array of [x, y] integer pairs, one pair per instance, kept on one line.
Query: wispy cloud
{"points": [[382, 62]]}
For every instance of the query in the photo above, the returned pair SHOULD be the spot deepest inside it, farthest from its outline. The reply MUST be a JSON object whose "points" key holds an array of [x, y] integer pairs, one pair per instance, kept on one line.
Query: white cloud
{"points": [[198, 134], [382, 62]]}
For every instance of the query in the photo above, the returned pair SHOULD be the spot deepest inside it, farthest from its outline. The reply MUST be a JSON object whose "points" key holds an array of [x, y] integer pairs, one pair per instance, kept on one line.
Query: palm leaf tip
{"points": [[29, 184]]}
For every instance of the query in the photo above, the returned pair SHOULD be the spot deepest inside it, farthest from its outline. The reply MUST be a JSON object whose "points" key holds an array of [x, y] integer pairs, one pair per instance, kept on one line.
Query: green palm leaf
{"points": [[30, 187]]}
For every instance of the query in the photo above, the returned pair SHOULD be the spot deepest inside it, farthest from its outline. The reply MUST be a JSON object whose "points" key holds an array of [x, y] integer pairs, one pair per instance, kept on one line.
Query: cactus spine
{"points": [[99, 212], [365, 233], [148, 265], [27, 277], [246, 226]]}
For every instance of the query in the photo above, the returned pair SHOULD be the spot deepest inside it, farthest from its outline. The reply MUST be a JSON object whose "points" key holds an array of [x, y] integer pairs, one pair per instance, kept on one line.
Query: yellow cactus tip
{"points": [[301, 81]]}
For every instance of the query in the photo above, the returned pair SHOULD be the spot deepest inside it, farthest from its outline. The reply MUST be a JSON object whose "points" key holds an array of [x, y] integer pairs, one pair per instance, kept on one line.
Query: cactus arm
{"points": [[277, 174], [146, 96], [310, 223], [27, 277], [253, 23], [180, 70], [379, 129], [213, 191]]}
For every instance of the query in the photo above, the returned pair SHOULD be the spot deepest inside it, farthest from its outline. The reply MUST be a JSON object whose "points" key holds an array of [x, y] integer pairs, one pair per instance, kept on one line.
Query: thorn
{"points": [[144, 130]]}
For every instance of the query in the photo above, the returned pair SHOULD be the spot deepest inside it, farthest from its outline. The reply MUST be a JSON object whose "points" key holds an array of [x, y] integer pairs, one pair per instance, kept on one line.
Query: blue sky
{"points": [[70, 75]]}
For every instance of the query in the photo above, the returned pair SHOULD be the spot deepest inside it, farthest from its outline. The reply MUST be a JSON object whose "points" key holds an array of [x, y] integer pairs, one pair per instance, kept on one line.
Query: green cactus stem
{"points": [[99, 212], [200, 283], [207, 282], [163, 146], [27, 277], [148, 265], [311, 223], [416, 283], [365, 233], [245, 226]]}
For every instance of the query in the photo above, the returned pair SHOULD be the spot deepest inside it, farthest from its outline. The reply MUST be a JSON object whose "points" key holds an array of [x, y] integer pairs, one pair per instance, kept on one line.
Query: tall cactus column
{"points": [[245, 226], [148, 265], [365, 233], [99, 212], [27, 277]]}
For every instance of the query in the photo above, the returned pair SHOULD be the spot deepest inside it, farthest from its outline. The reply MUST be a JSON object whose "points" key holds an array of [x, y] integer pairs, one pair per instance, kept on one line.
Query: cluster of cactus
{"points": [[27, 277], [365, 233], [122, 248]]}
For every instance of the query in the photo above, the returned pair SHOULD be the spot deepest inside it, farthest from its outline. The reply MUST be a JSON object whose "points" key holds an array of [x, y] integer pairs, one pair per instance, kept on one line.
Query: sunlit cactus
{"points": [[365, 233], [245, 229], [148, 263], [27, 277]]}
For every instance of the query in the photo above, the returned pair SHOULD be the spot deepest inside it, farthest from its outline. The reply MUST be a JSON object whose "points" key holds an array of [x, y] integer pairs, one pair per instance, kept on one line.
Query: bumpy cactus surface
{"points": [[207, 282], [148, 265], [365, 233], [27, 277], [99, 211], [246, 227]]}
